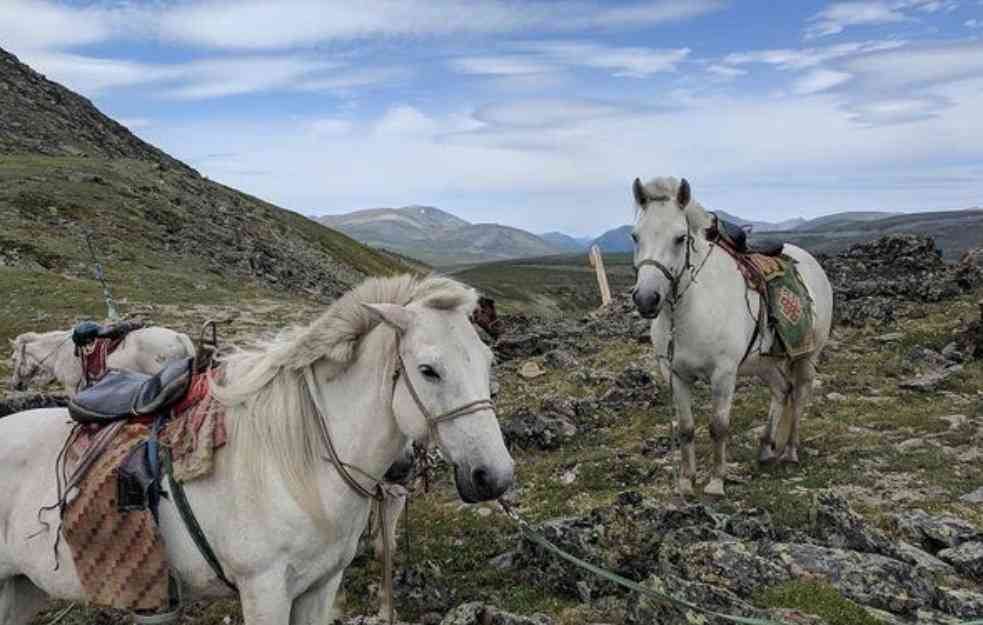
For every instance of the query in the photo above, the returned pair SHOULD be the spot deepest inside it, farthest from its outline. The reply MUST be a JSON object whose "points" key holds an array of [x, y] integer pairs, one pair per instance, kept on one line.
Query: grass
{"points": [[815, 598]]}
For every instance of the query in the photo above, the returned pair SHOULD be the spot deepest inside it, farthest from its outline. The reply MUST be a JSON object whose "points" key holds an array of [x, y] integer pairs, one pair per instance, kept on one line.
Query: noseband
{"points": [[675, 278]]}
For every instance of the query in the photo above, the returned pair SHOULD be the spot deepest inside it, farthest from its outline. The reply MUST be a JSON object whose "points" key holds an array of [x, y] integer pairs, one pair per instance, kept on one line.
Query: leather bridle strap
{"points": [[432, 420]]}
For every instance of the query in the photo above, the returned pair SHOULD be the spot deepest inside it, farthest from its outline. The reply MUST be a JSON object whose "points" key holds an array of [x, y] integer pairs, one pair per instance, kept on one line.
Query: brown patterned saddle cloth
{"points": [[112, 533]]}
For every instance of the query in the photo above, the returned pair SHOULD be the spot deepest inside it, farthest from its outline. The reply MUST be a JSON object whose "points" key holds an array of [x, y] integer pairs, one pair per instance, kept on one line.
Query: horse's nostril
{"points": [[479, 478]]}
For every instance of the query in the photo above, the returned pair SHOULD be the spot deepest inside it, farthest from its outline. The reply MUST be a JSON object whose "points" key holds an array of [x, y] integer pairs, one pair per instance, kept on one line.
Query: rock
{"points": [[891, 337], [503, 561], [529, 430], [930, 382], [933, 533], [477, 613], [974, 497], [835, 524], [868, 579], [531, 370], [21, 403], [646, 610], [836, 397], [910, 444], [955, 421], [560, 359], [635, 378], [967, 558], [913, 555], [962, 603], [732, 565]]}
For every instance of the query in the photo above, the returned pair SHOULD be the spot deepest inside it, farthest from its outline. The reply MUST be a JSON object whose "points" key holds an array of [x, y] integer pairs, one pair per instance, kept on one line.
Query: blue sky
{"points": [[539, 114]]}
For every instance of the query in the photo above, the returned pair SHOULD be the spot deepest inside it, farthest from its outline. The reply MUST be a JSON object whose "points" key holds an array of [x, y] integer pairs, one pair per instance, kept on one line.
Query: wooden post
{"points": [[597, 262]]}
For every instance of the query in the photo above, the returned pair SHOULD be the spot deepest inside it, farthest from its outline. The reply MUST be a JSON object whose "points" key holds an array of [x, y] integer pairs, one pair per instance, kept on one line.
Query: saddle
{"points": [[122, 395], [87, 332], [738, 239]]}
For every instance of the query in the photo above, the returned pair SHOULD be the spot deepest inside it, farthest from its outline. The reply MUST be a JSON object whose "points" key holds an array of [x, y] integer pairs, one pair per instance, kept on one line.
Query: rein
{"points": [[382, 490]]}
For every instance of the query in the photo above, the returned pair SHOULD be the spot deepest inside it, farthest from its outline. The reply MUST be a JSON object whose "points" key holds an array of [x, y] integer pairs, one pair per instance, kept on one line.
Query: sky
{"points": [[539, 114]]}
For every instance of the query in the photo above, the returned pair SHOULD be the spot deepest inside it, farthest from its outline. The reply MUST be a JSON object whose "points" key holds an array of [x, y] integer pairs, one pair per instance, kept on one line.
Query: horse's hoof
{"points": [[791, 456], [685, 487], [714, 488], [766, 455]]}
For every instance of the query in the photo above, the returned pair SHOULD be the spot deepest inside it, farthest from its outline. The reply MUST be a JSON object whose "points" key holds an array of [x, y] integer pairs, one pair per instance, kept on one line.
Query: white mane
{"points": [[666, 188]]}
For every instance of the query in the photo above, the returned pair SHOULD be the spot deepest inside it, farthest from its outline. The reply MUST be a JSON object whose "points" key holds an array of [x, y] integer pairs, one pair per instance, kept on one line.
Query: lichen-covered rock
{"points": [[962, 603], [868, 579], [967, 558], [933, 532], [730, 564], [10, 405], [836, 525], [560, 359], [533, 431], [477, 613]]}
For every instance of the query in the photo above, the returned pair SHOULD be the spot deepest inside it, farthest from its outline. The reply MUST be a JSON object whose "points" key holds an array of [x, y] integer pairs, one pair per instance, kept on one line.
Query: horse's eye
{"points": [[634, 237], [429, 373], [681, 239]]}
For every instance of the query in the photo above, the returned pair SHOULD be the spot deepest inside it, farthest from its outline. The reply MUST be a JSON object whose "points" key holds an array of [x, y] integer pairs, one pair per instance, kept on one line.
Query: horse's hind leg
{"points": [[804, 373], [20, 601], [722, 389], [776, 382]]}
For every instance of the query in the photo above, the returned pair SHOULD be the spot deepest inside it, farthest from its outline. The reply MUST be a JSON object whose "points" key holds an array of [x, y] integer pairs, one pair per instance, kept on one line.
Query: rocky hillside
{"points": [[439, 238], [164, 232]]}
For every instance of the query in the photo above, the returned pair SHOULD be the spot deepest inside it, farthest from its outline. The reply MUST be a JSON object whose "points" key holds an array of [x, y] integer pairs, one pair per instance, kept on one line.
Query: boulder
{"points": [[534, 431], [967, 558], [964, 604], [933, 533], [477, 613]]}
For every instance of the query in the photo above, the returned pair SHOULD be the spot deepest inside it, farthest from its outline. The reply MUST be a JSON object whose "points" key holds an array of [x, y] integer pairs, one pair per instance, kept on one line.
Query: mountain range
{"points": [[439, 238]]}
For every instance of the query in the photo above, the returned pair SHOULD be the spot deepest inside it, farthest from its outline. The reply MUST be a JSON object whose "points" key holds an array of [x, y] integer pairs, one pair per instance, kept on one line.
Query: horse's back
{"points": [[819, 288]]}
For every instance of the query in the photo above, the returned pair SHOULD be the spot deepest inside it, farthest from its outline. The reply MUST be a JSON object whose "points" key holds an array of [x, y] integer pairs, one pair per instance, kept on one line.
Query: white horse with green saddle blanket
{"points": [[394, 359], [46, 357], [707, 325]]}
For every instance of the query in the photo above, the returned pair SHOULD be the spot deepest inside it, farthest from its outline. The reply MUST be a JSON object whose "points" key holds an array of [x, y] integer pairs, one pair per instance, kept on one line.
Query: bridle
{"points": [[383, 490], [38, 362], [675, 279]]}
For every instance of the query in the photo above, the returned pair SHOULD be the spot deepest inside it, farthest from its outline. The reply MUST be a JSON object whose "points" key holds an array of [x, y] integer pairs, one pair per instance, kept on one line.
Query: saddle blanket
{"points": [[789, 304], [119, 554], [94, 358]]}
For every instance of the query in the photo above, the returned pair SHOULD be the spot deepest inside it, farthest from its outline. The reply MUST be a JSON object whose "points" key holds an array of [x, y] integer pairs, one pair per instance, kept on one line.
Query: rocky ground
{"points": [[881, 523]]}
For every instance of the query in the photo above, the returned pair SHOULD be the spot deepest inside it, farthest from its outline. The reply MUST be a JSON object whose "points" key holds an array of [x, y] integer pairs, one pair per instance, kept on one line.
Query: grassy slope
{"points": [[563, 284]]}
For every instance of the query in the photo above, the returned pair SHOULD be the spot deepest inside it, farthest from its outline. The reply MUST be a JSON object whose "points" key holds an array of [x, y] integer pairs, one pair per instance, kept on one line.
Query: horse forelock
{"points": [[666, 188], [272, 420]]}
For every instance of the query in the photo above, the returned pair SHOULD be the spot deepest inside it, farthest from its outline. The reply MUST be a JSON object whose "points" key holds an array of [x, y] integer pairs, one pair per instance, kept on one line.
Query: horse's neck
{"points": [[707, 287], [361, 422]]}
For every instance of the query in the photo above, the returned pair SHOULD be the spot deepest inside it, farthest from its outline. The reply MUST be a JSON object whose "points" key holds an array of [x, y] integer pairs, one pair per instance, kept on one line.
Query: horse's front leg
{"points": [[682, 397], [264, 600], [317, 605], [722, 385]]}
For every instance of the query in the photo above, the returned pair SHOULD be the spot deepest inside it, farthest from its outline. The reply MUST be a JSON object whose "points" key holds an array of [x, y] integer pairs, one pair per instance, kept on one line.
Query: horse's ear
{"points": [[641, 198], [684, 195], [394, 315]]}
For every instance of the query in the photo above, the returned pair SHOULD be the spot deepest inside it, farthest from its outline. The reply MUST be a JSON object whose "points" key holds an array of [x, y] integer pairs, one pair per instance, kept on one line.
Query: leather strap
{"points": [[191, 523]]}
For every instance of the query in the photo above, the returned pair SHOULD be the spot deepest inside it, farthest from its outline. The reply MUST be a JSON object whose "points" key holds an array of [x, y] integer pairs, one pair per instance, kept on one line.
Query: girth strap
{"points": [[191, 523]]}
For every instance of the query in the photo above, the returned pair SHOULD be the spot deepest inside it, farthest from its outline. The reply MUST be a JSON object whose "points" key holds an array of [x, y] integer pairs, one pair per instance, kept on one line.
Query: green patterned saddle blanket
{"points": [[790, 306]]}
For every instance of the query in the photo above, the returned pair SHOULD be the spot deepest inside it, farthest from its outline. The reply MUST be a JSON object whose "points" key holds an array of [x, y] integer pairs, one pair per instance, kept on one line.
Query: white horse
{"points": [[46, 357], [372, 373], [715, 316]]}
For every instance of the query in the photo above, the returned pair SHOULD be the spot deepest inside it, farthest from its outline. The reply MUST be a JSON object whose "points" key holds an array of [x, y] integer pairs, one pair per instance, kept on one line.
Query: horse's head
{"points": [[26, 365], [663, 236], [443, 391]]}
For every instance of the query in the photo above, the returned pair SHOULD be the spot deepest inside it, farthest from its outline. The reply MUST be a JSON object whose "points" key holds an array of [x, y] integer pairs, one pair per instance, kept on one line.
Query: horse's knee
{"points": [[686, 435], [719, 429]]}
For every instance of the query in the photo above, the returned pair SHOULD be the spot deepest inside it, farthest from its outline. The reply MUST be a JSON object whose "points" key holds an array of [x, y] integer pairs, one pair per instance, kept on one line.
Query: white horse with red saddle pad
{"points": [[46, 357], [312, 416], [707, 324]]}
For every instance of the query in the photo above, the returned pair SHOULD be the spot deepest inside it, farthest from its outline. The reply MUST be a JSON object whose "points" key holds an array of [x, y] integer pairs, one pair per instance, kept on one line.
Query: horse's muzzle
{"points": [[475, 485], [649, 305]]}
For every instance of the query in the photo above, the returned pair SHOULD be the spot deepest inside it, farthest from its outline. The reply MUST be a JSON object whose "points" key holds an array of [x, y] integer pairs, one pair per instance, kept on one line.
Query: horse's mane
{"points": [[273, 424], [668, 187]]}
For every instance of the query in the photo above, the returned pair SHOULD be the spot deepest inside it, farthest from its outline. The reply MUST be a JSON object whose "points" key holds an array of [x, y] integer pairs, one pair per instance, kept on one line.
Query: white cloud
{"points": [[329, 127], [514, 65], [401, 121], [631, 62], [805, 58], [236, 76], [37, 24], [819, 80], [896, 110], [538, 113], [973, 23], [836, 17], [918, 67], [724, 71], [259, 24]]}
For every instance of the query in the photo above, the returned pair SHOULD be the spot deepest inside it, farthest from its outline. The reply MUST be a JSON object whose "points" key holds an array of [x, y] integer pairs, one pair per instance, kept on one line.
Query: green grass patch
{"points": [[815, 598]]}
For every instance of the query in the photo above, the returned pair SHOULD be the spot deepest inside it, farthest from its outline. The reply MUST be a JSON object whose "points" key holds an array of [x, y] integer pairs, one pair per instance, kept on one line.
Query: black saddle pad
{"points": [[126, 394]]}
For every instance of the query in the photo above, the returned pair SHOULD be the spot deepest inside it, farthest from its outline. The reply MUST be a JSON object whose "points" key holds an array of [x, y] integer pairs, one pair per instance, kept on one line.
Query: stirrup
{"points": [[176, 601]]}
